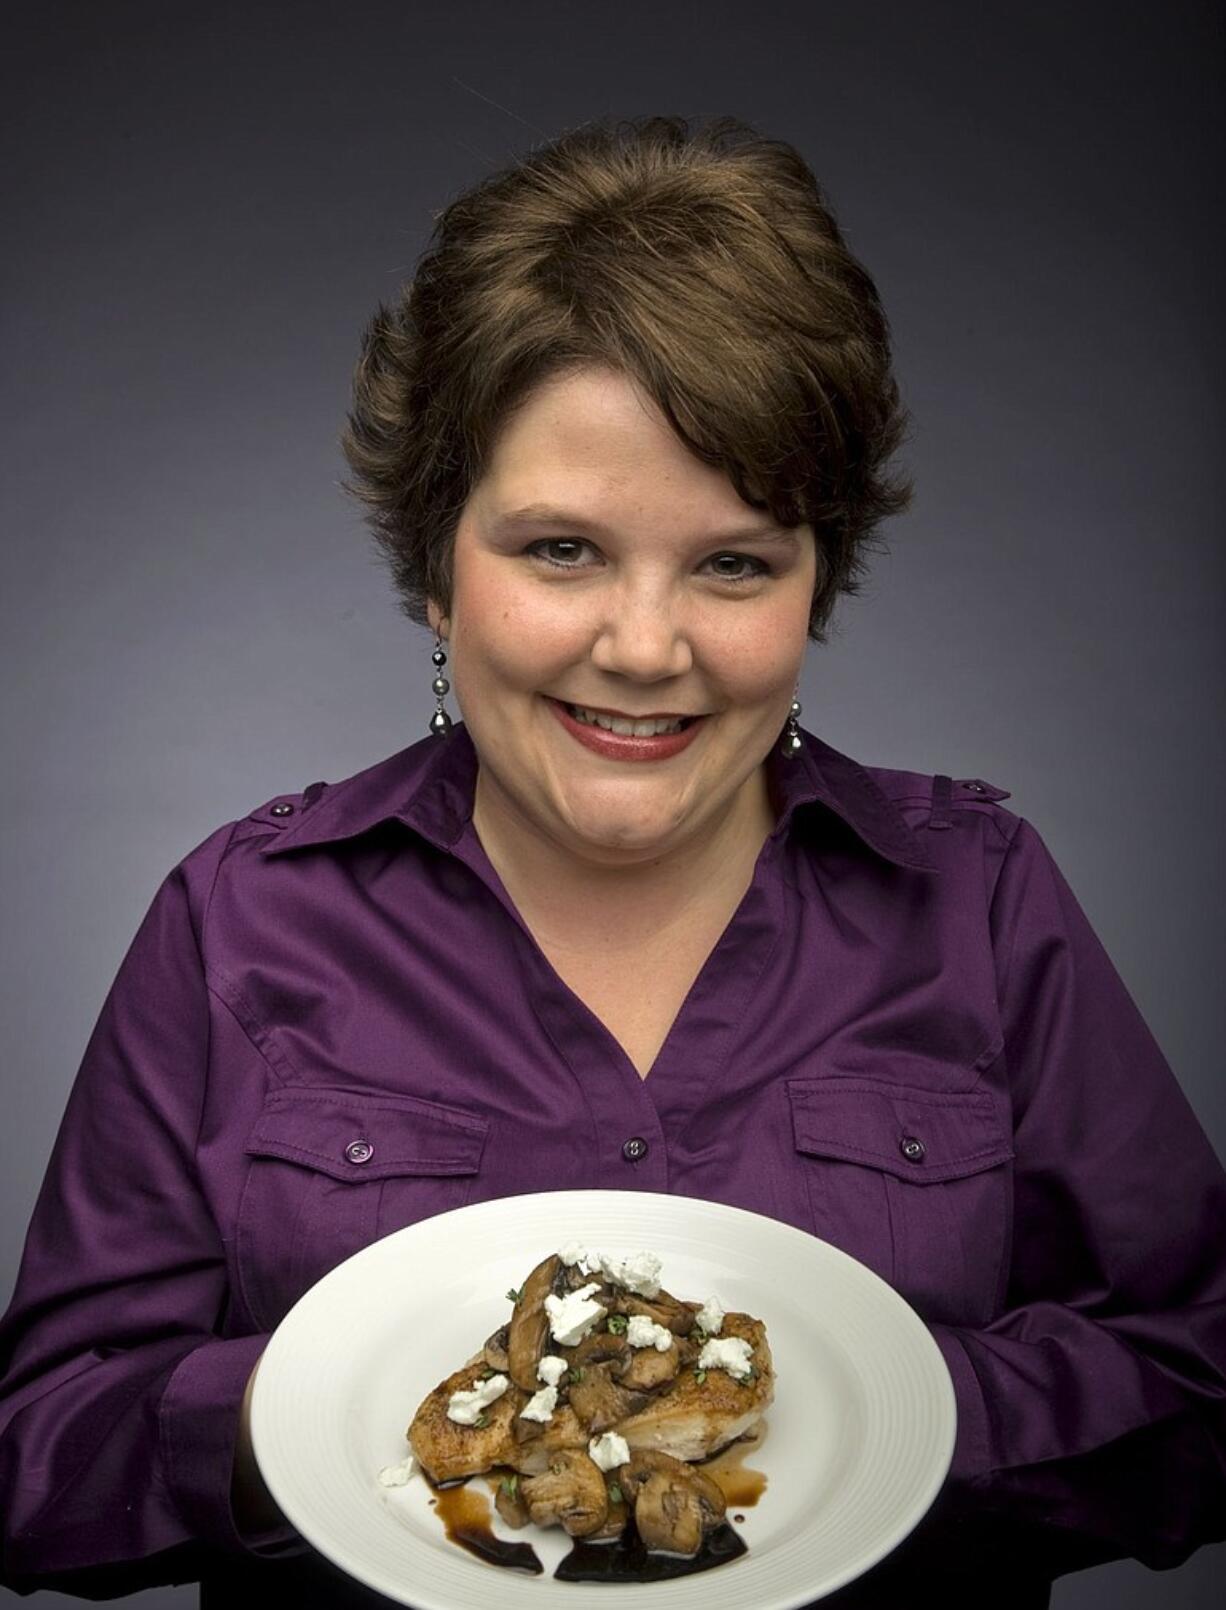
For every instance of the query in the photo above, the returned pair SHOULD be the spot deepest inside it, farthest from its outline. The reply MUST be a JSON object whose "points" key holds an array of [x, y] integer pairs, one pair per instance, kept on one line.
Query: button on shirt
{"points": [[333, 1022]]}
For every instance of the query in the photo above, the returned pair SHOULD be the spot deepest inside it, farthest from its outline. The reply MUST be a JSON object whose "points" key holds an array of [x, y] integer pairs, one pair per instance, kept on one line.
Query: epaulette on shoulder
{"points": [[949, 794], [284, 809]]}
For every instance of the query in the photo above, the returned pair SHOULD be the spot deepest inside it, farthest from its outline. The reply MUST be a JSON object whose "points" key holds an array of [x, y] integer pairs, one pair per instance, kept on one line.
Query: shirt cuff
{"points": [[972, 1445], [199, 1419]]}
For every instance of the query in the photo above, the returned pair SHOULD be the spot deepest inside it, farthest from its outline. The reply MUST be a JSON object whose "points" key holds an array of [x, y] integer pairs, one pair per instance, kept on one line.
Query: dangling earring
{"points": [[792, 744], [440, 721]]}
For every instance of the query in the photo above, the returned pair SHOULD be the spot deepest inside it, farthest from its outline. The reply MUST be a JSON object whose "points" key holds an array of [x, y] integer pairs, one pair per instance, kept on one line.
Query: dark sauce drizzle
{"points": [[466, 1515], [627, 1558]]}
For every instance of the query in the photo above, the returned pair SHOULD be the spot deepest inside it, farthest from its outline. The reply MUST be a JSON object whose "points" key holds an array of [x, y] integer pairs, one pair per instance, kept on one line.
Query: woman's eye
{"points": [[759, 568], [537, 550], [570, 546]]}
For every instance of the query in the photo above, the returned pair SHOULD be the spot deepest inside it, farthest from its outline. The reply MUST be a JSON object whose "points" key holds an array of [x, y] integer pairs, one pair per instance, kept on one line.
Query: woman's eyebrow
{"points": [[546, 514]]}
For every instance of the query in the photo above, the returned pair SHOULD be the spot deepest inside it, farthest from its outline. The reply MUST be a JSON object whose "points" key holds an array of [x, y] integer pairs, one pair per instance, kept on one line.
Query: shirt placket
{"points": [[693, 1061], [631, 1154]]}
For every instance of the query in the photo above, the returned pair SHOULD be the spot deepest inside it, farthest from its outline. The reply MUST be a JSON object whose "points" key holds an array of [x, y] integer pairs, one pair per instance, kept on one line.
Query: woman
{"points": [[625, 441]]}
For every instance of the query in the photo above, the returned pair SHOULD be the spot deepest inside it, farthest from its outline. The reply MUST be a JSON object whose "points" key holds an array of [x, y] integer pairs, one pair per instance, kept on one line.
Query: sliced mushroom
{"points": [[689, 1347], [598, 1347], [672, 1515], [619, 1513], [664, 1308], [645, 1463], [642, 1463], [571, 1493], [529, 1327], [495, 1350], [647, 1368], [600, 1401], [509, 1500], [674, 1504], [524, 1431], [576, 1277]]}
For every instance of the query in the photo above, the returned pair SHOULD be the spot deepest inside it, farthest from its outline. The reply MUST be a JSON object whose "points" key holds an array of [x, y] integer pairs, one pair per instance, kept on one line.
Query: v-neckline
{"points": [[749, 910], [589, 999]]}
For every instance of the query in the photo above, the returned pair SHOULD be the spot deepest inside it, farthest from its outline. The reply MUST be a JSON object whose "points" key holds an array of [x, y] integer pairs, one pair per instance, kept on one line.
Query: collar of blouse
{"points": [[430, 788]]}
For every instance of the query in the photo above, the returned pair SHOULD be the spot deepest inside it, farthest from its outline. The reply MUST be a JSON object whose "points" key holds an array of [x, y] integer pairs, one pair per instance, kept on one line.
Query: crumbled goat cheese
{"points": [[465, 1407], [644, 1332], [572, 1253], [572, 1316], [608, 1450], [397, 1475], [551, 1369], [711, 1316], [540, 1405], [640, 1272], [731, 1353]]}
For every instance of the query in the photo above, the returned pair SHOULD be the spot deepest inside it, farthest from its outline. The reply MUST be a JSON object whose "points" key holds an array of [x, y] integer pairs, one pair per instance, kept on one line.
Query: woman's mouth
{"points": [[620, 738]]}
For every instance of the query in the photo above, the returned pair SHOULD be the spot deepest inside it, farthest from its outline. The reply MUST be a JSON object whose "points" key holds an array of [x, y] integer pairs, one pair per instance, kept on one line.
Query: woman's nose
{"points": [[644, 640]]}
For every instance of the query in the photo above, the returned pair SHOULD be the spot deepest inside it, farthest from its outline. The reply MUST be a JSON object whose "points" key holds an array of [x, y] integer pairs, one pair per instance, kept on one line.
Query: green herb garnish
{"points": [[510, 1484], [487, 1374], [576, 1374], [615, 1493], [481, 1421], [513, 1296], [618, 1324], [700, 1376]]}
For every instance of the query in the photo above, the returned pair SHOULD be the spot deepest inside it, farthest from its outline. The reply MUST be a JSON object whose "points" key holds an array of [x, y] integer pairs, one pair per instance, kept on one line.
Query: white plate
{"points": [[859, 1436]]}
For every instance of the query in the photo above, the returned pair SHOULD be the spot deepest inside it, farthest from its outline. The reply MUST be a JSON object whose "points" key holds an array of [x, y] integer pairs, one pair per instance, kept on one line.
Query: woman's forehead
{"points": [[584, 415], [590, 453]]}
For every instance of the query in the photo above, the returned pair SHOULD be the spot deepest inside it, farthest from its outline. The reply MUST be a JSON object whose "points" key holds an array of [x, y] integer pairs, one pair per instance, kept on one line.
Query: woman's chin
{"points": [[620, 846], [610, 836]]}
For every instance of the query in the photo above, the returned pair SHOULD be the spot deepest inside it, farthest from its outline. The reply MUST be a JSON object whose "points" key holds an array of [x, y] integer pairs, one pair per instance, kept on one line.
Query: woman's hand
{"points": [[252, 1503]]}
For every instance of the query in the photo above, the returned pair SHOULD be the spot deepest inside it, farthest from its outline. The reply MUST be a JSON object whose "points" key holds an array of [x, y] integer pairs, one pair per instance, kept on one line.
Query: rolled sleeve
{"points": [[119, 1403], [1091, 1409]]}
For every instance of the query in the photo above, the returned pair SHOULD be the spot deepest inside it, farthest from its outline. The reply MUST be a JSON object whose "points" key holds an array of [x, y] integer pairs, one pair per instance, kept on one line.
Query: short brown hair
{"points": [[704, 264]]}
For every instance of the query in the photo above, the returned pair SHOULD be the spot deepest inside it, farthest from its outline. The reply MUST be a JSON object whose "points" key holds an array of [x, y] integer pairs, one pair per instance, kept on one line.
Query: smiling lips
{"points": [[618, 746]]}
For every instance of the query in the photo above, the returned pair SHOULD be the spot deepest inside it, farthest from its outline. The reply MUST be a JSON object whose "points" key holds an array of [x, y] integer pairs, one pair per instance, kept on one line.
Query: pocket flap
{"points": [[919, 1135], [359, 1135]]}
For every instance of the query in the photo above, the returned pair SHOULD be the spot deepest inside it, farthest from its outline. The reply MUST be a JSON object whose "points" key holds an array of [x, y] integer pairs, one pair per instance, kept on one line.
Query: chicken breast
{"points": [[691, 1418], [448, 1451]]}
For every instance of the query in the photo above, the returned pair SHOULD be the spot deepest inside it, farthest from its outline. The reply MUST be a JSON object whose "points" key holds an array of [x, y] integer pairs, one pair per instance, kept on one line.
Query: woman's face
{"points": [[652, 589]]}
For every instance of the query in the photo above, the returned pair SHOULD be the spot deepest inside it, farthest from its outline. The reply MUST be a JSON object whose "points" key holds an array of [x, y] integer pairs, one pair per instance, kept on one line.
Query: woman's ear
{"points": [[438, 621]]}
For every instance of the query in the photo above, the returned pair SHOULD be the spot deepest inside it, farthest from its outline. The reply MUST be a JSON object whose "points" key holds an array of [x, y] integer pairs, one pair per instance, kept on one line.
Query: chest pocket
{"points": [[914, 1183], [332, 1171]]}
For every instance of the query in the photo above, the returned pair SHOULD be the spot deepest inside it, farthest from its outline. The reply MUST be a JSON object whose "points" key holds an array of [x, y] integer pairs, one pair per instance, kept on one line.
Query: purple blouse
{"points": [[332, 1022]]}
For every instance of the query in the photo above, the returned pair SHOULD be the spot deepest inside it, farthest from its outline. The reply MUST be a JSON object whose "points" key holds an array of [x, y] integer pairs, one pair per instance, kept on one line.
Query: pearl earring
{"points": [[792, 744], [440, 721]]}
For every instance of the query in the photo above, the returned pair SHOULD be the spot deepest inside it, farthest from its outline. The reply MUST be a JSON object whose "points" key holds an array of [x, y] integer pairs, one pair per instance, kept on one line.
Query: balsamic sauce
{"points": [[467, 1517], [627, 1558], [740, 1484]]}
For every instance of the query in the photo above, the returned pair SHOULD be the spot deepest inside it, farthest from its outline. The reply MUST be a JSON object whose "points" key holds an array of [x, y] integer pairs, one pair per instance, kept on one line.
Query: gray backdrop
{"points": [[204, 203]]}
